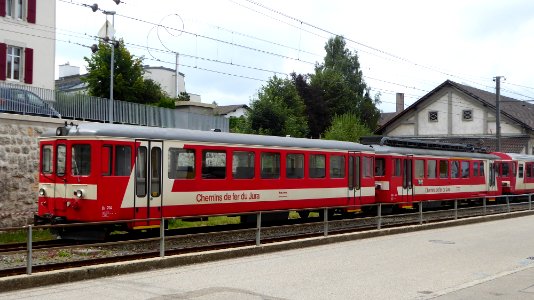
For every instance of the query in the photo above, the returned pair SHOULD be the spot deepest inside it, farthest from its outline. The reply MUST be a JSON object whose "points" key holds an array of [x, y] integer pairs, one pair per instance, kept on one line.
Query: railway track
{"points": [[200, 239]]}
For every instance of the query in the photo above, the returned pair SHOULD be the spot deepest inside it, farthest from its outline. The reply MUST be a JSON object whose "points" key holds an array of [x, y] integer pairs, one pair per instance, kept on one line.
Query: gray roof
{"points": [[156, 133], [226, 109], [429, 152], [519, 111]]}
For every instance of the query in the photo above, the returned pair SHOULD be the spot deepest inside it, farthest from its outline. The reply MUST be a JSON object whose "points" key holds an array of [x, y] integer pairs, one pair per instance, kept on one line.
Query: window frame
{"points": [[248, 174], [190, 169], [334, 163], [81, 169], [433, 116], [301, 159], [212, 174], [467, 115], [14, 63], [275, 160], [47, 159], [313, 161]]}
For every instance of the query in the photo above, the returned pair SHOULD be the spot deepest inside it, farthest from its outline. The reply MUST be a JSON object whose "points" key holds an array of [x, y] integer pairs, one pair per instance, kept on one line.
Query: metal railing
{"points": [[89, 108], [420, 215]]}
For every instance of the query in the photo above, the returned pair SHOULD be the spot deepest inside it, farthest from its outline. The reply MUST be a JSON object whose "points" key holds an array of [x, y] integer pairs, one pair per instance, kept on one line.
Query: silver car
{"points": [[25, 102]]}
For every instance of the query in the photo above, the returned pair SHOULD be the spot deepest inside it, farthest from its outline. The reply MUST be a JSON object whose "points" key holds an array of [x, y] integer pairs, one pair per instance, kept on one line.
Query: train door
{"points": [[407, 181], [148, 181], [354, 184], [60, 189]]}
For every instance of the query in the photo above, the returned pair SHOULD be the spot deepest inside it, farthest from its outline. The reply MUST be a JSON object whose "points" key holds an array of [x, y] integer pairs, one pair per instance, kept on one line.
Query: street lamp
{"points": [[112, 13]]}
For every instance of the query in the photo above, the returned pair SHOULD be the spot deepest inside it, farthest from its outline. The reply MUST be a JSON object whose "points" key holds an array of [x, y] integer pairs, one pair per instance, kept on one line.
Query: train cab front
{"points": [[64, 178]]}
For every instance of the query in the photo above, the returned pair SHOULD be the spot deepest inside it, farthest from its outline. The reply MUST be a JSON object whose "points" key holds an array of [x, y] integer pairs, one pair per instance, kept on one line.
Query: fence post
{"points": [[420, 212], [162, 238], [507, 204], [484, 204], [29, 252], [258, 229], [455, 209], [326, 221], [529, 201], [379, 216]]}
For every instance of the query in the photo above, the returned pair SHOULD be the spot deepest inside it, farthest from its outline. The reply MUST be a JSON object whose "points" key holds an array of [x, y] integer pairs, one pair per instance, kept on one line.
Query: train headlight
{"points": [[79, 194], [42, 192]]}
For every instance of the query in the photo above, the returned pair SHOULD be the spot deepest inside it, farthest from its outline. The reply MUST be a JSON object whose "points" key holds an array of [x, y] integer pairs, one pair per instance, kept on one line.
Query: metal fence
{"points": [[89, 108]]}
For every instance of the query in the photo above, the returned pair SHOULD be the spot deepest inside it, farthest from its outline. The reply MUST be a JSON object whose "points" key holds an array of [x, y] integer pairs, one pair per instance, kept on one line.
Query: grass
{"points": [[20, 236], [211, 221]]}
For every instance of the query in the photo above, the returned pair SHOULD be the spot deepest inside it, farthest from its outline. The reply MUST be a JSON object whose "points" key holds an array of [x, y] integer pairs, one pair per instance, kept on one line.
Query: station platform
{"points": [[474, 261]]}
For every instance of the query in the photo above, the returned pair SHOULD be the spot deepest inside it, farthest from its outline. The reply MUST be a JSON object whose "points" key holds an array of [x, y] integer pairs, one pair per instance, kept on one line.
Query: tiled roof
{"points": [[226, 109], [519, 111]]}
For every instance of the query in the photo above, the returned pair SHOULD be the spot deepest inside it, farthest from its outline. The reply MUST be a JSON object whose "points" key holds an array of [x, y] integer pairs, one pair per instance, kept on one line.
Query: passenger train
{"points": [[105, 172]]}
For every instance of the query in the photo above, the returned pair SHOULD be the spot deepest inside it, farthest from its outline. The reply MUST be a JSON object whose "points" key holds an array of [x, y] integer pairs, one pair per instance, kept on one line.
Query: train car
{"points": [[516, 171], [100, 172], [408, 171]]}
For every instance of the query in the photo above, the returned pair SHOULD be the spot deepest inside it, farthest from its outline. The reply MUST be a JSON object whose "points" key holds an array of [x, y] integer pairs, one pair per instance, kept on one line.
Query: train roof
{"points": [[157, 133], [430, 152], [515, 156]]}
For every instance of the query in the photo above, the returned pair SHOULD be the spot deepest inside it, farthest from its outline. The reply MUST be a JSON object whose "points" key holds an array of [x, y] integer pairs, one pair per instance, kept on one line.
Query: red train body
{"points": [[101, 172]]}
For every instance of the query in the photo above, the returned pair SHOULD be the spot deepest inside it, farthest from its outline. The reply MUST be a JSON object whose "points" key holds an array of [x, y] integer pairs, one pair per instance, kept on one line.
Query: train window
{"points": [[213, 164], [243, 165], [105, 160], [455, 169], [520, 171], [295, 166], [81, 160], [493, 168], [317, 166], [123, 160], [380, 167], [61, 159], [528, 166], [155, 172], [337, 166], [431, 166], [475, 168], [140, 172], [419, 168], [397, 167], [181, 163], [514, 168], [443, 169], [505, 170], [357, 178], [465, 169], [481, 169], [46, 164], [367, 166], [270, 165]]}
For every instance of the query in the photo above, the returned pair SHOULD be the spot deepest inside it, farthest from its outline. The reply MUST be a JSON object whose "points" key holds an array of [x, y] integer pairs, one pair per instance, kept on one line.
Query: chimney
{"points": [[400, 102]]}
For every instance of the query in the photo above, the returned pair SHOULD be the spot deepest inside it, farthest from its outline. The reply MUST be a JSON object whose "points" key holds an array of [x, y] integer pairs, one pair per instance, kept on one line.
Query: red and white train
{"points": [[101, 172]]}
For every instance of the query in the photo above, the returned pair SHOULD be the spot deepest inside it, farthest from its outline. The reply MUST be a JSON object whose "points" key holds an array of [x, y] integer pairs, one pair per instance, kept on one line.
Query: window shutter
{"points": [[2, 8], [28, 65], [32, 10], [3, 61]]}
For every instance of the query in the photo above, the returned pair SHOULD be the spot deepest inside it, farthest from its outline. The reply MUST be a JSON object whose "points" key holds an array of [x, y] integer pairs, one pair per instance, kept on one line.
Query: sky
{"points": [[228, 49]]}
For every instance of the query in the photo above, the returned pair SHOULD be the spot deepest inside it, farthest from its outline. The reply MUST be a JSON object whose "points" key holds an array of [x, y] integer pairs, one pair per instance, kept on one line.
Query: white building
{"points": [[167, 79], [458, 113], [27, 42]]}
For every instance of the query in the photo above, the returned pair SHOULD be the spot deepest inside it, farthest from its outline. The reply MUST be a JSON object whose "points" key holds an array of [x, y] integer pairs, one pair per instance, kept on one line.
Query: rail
{"points": [[423, 212]]}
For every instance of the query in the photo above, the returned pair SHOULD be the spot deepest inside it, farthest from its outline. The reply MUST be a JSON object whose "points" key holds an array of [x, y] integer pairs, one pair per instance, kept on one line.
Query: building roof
{"points": [[71, 83], [385, 117], [520, 112], [226, 109]]}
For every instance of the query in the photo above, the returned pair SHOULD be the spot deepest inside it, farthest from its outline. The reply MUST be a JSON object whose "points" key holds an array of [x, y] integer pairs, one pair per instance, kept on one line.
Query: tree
{"points": [[278, 110], [315, 105], [341, 82], [183, 96], [128, 82], [346, 127]]}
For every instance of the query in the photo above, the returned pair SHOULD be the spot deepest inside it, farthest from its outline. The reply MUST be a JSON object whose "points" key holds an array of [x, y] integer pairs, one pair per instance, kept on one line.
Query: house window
{"points": [[433, 116], [467, 115], [14, 59], [14, 8]]}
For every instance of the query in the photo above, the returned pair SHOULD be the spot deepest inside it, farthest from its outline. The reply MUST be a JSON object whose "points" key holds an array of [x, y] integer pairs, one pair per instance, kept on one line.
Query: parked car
{"points": [[25, 102]]}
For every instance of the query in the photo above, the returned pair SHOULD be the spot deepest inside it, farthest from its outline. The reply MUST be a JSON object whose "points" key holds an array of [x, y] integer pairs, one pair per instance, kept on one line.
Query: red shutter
{"points": [[2, 8], [3, 61], [32, 10], [28, 65]]}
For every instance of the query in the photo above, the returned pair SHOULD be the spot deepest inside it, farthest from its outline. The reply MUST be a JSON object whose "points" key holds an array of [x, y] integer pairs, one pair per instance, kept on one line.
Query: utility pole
{"points": [[497, 80]]}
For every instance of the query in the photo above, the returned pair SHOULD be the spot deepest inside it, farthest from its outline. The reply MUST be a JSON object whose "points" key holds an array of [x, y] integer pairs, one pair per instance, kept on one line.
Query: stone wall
{"points": [[19, 164]]}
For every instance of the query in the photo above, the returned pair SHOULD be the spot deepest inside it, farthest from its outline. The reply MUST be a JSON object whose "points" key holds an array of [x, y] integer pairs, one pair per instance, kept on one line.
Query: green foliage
{"points": [[346, 127], [278, 110], [238, 125], [183, 96], [128, 82], [167, 102], [22, 235], [315, 105], [343, 88], [210, 221]]}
